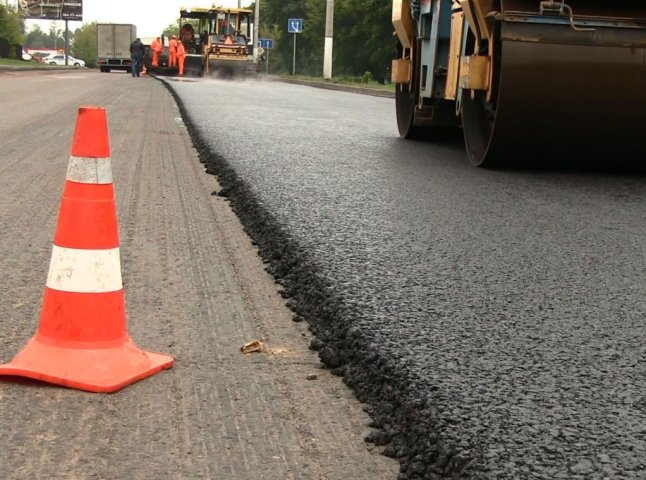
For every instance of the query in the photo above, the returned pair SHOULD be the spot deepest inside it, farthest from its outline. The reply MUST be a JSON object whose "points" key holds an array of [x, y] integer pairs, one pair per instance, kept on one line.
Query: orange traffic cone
{"points": [[82, 341]]}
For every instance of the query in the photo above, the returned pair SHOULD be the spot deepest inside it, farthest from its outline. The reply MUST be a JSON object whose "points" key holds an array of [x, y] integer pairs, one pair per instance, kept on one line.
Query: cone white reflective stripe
{"points": [[89, 170], [85, 271]]}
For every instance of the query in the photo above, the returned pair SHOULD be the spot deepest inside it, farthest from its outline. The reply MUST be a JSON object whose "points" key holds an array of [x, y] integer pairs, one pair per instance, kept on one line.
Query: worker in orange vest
{"points": [[181, 56], [157, 48], [172, 52]]}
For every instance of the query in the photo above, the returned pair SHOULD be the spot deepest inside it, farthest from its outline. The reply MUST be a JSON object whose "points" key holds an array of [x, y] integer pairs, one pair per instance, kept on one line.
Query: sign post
{"points": [[294, 25], [67, 43], [266, 44]]}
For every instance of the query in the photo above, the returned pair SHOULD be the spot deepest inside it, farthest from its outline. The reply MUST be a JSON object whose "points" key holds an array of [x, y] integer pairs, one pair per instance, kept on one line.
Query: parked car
{"points": [[25, 56], [59, 59]]}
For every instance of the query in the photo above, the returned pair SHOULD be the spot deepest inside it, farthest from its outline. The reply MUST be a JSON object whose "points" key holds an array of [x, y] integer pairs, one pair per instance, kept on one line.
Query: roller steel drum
{"points": [[561, 94]]}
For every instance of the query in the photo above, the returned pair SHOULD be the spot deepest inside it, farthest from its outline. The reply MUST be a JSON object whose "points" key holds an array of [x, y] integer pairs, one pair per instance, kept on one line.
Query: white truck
{"points": [[113, 46]]}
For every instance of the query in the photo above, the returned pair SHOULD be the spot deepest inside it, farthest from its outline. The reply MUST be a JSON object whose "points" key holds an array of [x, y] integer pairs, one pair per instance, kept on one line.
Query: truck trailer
{"points": [[524, 78], [113, 46]]}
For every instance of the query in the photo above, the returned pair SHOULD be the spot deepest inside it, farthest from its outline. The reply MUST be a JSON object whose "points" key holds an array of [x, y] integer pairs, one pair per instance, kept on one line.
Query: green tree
{"points": [[11, 25], [363, 41], [36, 38], [170, 30], [84, 46]]}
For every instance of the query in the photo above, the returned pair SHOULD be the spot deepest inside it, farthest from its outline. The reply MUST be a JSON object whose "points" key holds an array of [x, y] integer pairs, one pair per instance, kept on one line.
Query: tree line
{"points": [[11, 28], [363, 37]]}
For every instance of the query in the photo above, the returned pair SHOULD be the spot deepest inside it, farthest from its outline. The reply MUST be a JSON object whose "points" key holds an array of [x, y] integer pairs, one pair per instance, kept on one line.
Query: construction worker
{"points": [[187, 34], [157, 48], [181, 56], [172, 51], [137, 54]]}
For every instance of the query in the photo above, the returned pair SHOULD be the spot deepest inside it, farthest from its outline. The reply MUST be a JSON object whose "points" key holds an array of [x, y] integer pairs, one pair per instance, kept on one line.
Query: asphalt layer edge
{"points": [[402, 420]]}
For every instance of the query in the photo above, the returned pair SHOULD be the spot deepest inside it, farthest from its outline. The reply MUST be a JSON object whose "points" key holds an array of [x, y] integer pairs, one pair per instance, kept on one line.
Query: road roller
{"points": [[228, 52], [218, 41], [523, 79]]}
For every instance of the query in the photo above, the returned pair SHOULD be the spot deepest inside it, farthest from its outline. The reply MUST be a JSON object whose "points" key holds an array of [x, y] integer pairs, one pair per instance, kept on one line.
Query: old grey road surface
{"points": [[494, 320], [195, 288]]}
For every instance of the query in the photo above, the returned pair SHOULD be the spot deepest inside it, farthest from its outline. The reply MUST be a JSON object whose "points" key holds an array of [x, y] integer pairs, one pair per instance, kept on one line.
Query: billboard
{"points": [[52, 9]]}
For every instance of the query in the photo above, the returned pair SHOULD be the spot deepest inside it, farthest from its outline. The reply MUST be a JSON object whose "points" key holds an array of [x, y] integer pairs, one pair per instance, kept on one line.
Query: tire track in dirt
{"points": [[195, 288]]}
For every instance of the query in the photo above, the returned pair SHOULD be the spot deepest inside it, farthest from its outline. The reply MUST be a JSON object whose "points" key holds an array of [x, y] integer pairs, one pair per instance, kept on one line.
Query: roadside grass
{"points": [[15, 63], [361, 81], [8, 62]]}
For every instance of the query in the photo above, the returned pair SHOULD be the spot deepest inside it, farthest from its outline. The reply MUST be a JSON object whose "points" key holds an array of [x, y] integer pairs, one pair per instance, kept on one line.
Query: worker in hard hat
{"points": [[181, 56], [172, 52], [157, 48]]}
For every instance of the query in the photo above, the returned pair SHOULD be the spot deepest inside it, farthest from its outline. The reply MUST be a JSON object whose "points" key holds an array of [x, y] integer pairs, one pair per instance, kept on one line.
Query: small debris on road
{"points": [[280, 351], [255, 346]]}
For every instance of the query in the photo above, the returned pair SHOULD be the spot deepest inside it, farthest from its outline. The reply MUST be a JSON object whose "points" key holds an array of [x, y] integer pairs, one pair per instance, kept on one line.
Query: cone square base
{"points": [[102, 370]]}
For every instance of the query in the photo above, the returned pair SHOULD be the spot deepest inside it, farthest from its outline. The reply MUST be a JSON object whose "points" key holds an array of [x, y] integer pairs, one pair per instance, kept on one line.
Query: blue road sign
{"points": [[295, 25], [266, 43]]}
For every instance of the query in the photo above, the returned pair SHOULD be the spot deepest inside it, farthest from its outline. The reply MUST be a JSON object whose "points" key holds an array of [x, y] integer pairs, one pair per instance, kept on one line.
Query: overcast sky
{"points": [[150, 16]]}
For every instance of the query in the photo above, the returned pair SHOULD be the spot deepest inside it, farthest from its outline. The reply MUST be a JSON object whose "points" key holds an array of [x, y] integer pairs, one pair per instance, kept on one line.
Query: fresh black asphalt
{"points": [[492, 321]]}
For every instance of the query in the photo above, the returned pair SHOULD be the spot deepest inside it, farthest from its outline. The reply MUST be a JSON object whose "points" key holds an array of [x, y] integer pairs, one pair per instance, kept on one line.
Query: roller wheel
{"points": [[406, 96], [545, 107], [479, 117]]}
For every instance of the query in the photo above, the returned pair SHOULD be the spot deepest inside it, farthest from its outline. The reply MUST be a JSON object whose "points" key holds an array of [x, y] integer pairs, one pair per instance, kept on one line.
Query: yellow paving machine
{"points": [[218, 41]]}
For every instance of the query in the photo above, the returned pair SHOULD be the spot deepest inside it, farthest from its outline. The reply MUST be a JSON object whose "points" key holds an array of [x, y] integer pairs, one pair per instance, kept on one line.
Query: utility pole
{"points": [[256, 30], [329, 30], [67, 43]]}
